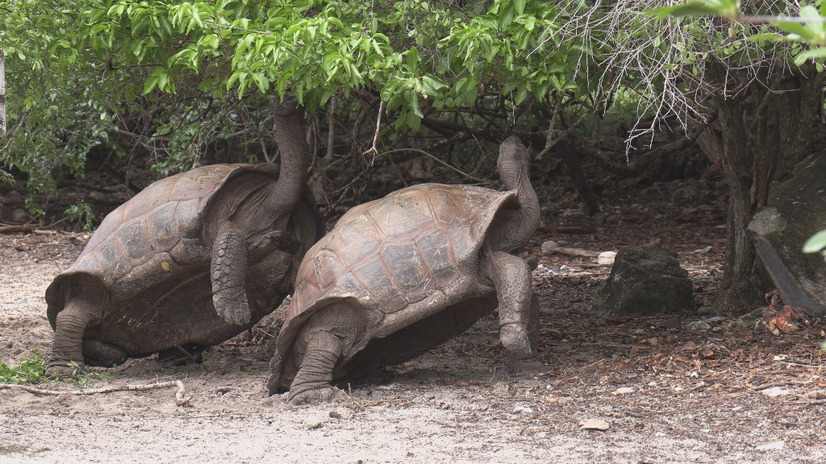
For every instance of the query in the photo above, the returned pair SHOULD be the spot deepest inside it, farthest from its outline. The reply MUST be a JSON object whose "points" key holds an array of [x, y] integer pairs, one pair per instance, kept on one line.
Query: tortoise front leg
{"points": [[228, 272], [70, 324], [518, 308]]}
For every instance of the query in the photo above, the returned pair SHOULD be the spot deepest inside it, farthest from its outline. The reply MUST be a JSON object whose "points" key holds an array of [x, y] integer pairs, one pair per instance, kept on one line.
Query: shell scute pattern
{"points": [[398, 250]]}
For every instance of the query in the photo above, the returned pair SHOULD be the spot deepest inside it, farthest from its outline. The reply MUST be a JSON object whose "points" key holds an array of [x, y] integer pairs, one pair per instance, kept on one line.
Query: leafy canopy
{"points": [[76, 68], [406, 50]]}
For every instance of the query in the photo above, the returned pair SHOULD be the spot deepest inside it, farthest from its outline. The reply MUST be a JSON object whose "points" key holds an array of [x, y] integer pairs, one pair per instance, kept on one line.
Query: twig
{"points": [[181, 396], [448, 165], [11, 135], [373, 150], [550, 142]]}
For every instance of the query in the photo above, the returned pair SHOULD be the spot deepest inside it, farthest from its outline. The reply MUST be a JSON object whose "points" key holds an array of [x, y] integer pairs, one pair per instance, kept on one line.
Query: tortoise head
{"points": [[513, 163], [518, 225]]}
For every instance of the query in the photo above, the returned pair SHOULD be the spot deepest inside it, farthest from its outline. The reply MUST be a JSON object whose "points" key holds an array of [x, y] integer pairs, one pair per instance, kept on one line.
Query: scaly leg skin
{"points": [[312, 382], [328, 336], [67, 346], [518, 309], [228, 272]]}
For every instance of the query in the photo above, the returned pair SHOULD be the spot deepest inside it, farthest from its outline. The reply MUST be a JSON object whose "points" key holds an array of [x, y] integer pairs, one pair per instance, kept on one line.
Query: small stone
{"points": [[20, 216], [623, 391], [594, 424], [672, 323], [815, 395], [606, 258], [549, 246], [645, 280], [697, 326], [775, 445], [774, 392], [522, 410]]}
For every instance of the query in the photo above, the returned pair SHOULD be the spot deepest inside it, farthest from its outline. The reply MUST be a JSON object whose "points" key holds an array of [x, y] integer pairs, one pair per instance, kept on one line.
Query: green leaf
{"points": [[506, 16], [815, 243], [210, 40], [726, 8], [413, 120], [519, 6], [794, 28], [509, 86], [770, 36], [433, 85], [521, 94], [412, 100], [814, 54], [412, 60]]}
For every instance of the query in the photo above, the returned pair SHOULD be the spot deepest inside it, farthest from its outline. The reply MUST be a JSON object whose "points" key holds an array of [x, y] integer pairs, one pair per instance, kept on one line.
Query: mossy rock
{"points": [[645, 280]]}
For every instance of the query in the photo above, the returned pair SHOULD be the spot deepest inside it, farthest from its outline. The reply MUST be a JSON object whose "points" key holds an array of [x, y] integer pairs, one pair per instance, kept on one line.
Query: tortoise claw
{"points": [[232, 306]]}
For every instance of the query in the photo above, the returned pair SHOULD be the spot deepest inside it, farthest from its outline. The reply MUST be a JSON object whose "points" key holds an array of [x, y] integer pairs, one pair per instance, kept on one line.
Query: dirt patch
{"points": [[668, 394]]}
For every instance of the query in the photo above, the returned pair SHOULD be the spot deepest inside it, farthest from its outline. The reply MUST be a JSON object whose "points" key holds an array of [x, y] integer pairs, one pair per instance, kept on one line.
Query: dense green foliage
{"points": [[83, 70], [28, 370], [174, 77]]}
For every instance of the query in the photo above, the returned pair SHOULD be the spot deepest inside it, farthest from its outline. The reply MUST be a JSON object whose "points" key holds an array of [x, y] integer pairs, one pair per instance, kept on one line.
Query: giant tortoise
{"points": [[405, 273], [190, 261]]}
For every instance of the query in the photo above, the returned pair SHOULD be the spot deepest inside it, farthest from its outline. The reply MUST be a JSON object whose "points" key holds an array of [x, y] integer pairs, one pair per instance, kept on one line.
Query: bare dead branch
{"points": [[373, 150], [182, 398], [435, 158]]}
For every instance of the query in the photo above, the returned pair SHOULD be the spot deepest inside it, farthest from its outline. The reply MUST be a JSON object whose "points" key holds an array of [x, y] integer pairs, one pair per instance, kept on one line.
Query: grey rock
{"points": [[697, 326]]}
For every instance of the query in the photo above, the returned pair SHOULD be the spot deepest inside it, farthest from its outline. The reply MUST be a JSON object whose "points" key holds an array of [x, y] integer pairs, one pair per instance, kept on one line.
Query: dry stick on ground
{"points": [[181, 396]]}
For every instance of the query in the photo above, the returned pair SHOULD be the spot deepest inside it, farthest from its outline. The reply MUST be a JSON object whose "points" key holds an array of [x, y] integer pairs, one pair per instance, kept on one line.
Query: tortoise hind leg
{"points": [[312, 383], [328, 335], [518, 309]]}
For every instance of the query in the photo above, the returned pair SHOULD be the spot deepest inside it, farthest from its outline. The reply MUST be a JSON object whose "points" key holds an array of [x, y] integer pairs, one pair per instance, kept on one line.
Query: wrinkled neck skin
{"points": [[521, 223], [273, 204], [295, 153]]}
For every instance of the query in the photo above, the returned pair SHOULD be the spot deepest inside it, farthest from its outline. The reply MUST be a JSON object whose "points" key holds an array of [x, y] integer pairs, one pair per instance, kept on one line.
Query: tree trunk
{"points": [[2, 94], [742, 280], [761, 142]]}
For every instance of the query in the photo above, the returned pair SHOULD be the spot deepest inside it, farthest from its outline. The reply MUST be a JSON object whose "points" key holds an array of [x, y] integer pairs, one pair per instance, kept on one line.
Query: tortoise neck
{"points": [[295, 157]]}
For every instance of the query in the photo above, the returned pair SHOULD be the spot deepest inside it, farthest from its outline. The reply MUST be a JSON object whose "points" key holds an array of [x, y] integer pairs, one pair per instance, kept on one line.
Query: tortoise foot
{"points": [[524, 366], [182, 355], [102, 354], [231, 305], [61, 369], [324, 394], [516, 340]]}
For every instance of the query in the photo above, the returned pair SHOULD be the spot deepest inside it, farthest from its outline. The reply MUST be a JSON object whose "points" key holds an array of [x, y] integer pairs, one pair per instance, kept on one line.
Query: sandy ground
{"points": [[666, 394]]}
